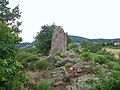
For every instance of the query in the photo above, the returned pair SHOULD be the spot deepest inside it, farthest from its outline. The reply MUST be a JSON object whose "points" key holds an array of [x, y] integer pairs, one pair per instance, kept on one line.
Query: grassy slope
{"points": [[114, 51]]}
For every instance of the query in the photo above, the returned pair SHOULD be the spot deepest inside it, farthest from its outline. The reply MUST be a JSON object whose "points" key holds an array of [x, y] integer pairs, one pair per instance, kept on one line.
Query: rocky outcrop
{"points": [[59, 41], [67, 60], [80, 83], [70, 77]]}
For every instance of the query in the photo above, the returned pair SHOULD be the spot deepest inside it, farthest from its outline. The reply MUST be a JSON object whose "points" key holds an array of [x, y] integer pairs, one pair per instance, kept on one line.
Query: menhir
{"points": [[59, 41]]}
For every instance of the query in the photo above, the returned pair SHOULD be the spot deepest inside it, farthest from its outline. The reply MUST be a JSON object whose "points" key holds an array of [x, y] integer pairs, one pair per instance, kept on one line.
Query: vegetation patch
{"points": [[87, 56], [42, 64], [68, 65], [43, 85]]}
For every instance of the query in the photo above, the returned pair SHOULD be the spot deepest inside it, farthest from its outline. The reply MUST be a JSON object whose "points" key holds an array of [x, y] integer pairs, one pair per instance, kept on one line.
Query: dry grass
{"points": [[35, 76], [114, 51]]}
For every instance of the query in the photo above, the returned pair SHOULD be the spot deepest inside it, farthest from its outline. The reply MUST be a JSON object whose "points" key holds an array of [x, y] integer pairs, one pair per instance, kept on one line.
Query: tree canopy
{"points": [[10, 69], [43, 39], [10, 16]]}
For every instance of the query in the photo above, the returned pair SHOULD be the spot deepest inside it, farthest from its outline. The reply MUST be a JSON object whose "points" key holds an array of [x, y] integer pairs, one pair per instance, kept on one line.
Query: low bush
{"points": [[113, 65], [42, 64], [32, 50], [25, 58], [58, 58], [58, 53], [86, 56], [68, 65], [15, 85], [28, 57], [101, 59], [110, 82], [43, 85]]}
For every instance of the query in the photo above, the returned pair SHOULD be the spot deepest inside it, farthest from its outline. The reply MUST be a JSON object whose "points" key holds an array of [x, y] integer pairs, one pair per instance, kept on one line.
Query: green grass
{"points": [[43, 85], [42, 64]]}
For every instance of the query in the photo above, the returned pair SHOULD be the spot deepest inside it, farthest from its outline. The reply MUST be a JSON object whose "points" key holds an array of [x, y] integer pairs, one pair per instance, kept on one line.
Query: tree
{"points": [[8, 41], [69, 39], [10, 17], [9, 67], [43, 39]]}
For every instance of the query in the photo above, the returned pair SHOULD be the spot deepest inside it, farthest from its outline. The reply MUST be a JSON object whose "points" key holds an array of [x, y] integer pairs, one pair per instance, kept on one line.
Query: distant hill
{"points": [[25, 44], [74, 39], [79, 39]]}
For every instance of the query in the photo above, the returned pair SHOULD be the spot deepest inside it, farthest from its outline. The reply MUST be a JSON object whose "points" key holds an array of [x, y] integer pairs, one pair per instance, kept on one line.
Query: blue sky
{"points": [[86, 18]]}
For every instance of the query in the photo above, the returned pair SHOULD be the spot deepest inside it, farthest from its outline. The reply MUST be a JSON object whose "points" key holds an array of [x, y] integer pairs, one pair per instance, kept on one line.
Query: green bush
{"points": [[113, 65], [26, 57], [58, 53], [110, 82], [32, 50], [15, 85], [43, 85], [68, 65], [86, 56], [101, 59], [42, 64], [58, 58]]}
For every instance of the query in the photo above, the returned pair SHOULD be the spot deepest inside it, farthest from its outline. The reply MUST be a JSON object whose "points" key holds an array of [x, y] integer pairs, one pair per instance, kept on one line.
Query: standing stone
{"points": [[59, 41]]}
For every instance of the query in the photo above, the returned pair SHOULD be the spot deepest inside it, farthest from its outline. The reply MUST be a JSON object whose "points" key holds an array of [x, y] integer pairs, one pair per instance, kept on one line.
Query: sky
{"points": [[86, 18]]}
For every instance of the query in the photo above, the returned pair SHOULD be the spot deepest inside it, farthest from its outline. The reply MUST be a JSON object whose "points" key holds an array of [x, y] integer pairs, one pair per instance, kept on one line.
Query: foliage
{"points": [[87, 56], [42, 64], [43, 39], [32, 49], [110, 82], [43, 85], [113, 65], [58, 58], [101, 59], [9, 67], [69, 39], [15, 85], [7, 42], [25, 58], [68, 65], [91, 47], [58, 53], [10, 17]]}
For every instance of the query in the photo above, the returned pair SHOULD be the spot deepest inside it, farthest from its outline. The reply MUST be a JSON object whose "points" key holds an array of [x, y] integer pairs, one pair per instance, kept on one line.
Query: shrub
{"points": [[111, 82], [42, 64], [25, 58], [58, 53], [15, 85], [32, 50], [57, 58], [113, 65], [87, 56], [43, 85], [100, 59], [68, 65]]}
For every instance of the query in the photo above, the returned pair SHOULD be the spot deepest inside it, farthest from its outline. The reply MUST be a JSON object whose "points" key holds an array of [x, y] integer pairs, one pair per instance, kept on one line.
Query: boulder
{"points": [[67, 60]]}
